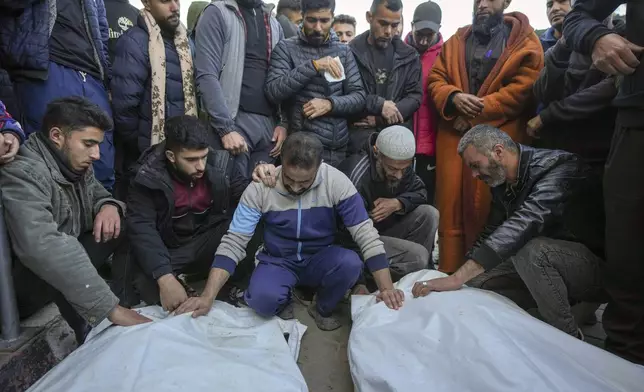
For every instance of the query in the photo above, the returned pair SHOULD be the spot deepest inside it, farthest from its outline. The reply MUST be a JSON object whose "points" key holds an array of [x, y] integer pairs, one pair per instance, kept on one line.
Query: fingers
{"points": [[187, 306], [606, 67], [98, 228], [117, 228], [334, 69], [629, 55], [200, 312]]}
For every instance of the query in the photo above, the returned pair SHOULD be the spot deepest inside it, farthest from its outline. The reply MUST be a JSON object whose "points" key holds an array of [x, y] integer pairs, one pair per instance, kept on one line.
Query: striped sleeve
{"points": [[350, 206], [247, 215]]}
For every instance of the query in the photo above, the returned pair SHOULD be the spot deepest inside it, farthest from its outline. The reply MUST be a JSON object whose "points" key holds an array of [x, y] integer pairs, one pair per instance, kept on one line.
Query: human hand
{"points": [[383, 208], [391, 114], [393, 298], [9, 145], [367, 122], [422, 289], [279, 135], [615, 55], [107, 223], [234, 143], [172, 292], [317, 107], [534, 127], [126, 317], [468, 104], [200, 306], [330, 65], [462, 125], [266, 174]]}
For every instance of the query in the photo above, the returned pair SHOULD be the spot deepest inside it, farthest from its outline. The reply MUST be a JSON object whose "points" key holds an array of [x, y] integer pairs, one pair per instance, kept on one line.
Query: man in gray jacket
{"points": [[233, 44], [62, 223]]}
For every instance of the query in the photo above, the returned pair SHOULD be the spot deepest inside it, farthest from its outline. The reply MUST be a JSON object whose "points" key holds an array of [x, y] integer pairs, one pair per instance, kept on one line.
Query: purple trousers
{"points": [[333, 271]]}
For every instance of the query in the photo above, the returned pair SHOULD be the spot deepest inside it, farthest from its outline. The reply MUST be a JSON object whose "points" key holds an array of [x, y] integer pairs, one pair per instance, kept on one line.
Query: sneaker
{"points": [[236, 297], [330, 323], [189, 290], [288, 313]]}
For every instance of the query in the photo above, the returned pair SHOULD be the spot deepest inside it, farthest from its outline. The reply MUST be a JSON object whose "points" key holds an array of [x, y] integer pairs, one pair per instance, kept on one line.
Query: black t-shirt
{"points": [[121, 15], [70, 44], [252, 99], [383, 62]]}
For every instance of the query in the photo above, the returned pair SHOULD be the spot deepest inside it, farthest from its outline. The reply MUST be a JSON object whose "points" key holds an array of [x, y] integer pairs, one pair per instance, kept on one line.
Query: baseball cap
{"points": [[428, 15]]}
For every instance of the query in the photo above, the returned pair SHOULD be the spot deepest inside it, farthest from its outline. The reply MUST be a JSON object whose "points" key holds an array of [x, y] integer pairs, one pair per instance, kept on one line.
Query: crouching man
{"points": [[299, 215], [62, 223], [544, 235], [396, 199]]}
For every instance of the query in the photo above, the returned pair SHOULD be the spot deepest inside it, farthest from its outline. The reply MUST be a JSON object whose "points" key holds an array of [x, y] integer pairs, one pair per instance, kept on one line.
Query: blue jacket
{"points": [[548, 39], [131, 85], [8, 124], [25, 28]]}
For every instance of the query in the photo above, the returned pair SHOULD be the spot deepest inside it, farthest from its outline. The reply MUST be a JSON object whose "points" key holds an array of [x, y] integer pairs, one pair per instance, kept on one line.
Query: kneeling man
{"points": [[299, 216], [544, 234]]}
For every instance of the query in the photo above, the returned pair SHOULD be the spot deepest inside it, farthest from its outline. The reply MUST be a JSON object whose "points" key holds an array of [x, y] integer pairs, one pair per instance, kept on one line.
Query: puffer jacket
{"points": [[292, 81], [132, 87], [556, 196], [25, 28]]}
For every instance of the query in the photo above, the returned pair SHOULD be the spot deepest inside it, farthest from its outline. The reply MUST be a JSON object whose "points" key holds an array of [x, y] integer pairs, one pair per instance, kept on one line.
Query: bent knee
{"points": [[266, 301]]}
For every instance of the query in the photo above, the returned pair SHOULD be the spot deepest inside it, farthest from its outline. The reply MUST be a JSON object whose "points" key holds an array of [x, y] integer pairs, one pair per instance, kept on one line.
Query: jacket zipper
{"points": [[299, 227]]}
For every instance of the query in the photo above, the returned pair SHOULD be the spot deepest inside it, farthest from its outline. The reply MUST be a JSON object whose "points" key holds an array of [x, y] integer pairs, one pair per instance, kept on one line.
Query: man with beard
{"points": [[180, 203], [153, 56], [396, 199], [557, 11], [299, 216], [426, 38], [390, 71], [234, 42], [484, 75], [315, 79], [543, 239], [345, 28], [62, 223]]}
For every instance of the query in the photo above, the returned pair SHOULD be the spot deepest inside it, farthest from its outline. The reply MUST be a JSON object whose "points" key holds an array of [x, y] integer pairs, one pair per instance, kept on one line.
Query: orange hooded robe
{"points": [[464, 201]]}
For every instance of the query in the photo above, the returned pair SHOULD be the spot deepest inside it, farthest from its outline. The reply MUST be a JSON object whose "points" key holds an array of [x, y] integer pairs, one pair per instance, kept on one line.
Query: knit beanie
{"points": [[396, 142]]}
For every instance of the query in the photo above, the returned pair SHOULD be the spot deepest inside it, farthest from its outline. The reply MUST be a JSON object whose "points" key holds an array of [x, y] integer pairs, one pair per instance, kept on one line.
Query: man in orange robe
{"points": [[484, 75]]}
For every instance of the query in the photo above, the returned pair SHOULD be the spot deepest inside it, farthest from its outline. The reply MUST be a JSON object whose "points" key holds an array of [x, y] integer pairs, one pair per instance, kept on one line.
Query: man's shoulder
{"points": [[355, 167], [26, 167]]}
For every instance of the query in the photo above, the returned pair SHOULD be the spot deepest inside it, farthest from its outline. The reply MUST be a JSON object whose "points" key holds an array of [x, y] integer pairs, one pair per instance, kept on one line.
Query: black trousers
{"points": [[624, 273], [426, 170]]}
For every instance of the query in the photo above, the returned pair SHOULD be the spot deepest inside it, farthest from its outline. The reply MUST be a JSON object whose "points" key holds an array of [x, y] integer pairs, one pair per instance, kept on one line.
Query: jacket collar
{"points": [[525, 157], [38, 148], [549, 36]]}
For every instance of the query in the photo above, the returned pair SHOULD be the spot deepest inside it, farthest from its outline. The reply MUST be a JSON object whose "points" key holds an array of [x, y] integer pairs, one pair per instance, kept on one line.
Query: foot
{"points": [[288, 313], [330, 323]]}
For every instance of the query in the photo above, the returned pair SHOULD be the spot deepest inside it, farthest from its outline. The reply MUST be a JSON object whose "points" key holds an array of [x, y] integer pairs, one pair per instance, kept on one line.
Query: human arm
{"points": [[468, 271], [284, 80], [9, 125], [583, 25], [549, 87], [353, 100], [441, 86], [412, 92], [130, 72], [414, 196], [582, 104], [11, 136]]}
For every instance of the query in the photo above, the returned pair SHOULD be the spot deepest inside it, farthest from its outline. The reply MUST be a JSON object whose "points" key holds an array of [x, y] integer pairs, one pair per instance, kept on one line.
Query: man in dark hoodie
{"points": [[391, 73], [623, 179], [556, 11]]}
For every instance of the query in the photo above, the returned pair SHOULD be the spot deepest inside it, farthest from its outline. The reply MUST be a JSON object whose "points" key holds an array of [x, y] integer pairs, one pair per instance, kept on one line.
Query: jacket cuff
{"points": [[161, 270], [224, 263], [486, 257], [377, 262], [546, 116], [406, 205], [101, 310], [16, 130], [594, 34], [221, 132]]}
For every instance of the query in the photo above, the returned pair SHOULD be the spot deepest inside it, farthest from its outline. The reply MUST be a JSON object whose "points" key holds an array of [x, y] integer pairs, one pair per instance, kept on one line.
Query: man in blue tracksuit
{"points": [[54, 49]]}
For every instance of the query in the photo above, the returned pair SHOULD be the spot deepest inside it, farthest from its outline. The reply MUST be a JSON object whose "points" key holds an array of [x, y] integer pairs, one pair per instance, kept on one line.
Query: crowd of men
{"points": [[283, 154]]}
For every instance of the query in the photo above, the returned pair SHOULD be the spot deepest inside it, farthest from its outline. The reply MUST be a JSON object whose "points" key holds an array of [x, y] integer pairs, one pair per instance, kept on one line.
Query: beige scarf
{"points": [[157, 66]]}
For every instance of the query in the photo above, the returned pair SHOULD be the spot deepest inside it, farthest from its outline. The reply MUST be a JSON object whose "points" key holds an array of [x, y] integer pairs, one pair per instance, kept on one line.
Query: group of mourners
{"points": [[285, 157]]}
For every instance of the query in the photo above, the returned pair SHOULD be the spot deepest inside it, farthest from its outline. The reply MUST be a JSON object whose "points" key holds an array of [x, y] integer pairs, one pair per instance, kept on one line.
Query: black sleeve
{"points": [[353, 100], [414, 196], [550, 85], [582, 104], [583, 25], [284, 81], [413, 91]]}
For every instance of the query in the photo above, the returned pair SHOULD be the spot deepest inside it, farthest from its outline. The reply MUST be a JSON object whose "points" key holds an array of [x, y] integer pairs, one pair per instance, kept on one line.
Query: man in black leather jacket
{"points": [[544, 234], [315, 78]]}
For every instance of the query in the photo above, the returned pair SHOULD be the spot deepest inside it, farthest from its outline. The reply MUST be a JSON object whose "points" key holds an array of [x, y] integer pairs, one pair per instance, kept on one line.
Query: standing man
{"points": [[234, 40], [484, 75], [344, 27], [55, 49], [425, 37], [391, 73], [121, 15], [557, 11], [289, 14], [623, 181], [315, 78]]}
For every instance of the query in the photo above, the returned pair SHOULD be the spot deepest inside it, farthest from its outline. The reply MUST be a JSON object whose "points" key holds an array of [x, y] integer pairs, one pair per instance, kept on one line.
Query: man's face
{"points": [[297, 180], [384, 25], [80, 147], [488, 169], [294, 16], [344, 31], [423, 38], [165, 12], [390, 170], [191, 164], [486, 8], [557, 11], [317, 25]]}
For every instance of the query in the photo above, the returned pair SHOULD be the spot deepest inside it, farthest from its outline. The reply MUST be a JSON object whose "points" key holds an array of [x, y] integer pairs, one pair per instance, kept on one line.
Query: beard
{"points": [[293, 193], [170, 24], [315, 38], [484, 25], [496, 177], [392, 183]]}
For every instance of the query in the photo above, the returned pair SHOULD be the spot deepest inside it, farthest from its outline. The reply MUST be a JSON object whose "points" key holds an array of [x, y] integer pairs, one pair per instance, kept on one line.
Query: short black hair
{"points": [[391, 5], [302, 150], [74, 114], [345, 19], [293, 5], [309, 5], [185, 132]]}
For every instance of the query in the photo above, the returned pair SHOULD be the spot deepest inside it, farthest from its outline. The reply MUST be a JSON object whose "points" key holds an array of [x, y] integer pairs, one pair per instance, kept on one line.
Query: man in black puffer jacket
{"points": [[300, 79], [544, 237]]}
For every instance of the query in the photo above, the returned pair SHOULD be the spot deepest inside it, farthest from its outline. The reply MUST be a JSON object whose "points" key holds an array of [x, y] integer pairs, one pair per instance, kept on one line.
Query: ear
{"points": [[369, 17], [506, 4], [170, 156], [375, 150], [57, 136], [146, 4], [498, 151]]}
